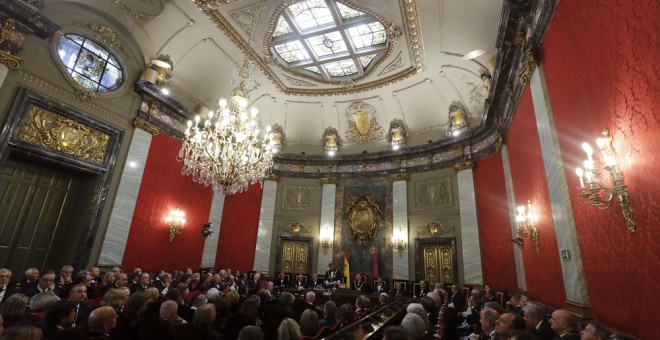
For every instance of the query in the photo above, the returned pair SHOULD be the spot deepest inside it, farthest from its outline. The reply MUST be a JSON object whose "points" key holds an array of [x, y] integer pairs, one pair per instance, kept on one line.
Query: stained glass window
{"points": [[331, 40], [90, 65]]}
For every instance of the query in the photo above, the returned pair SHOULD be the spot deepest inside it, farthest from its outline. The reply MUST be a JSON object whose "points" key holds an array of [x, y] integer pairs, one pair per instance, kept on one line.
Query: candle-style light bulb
{"points": [[587, 148], [580, 173]]}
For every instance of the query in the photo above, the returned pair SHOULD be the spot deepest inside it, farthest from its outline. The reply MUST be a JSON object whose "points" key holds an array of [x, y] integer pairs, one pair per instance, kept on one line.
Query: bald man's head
{"points": [[102, 319]]}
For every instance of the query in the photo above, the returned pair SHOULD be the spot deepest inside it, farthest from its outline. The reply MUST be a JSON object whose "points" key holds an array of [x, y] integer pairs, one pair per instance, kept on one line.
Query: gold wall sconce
{"points": [[176, 220], [457, 121], [594, 192], [331, 141], [397, 135], [326, 242], [399, 241], [526, 225]]}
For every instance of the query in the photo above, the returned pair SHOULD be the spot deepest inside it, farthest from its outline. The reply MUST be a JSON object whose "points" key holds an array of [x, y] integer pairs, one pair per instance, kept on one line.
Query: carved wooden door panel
{"points": [[294, 256], [34, 206], [438, 262]]}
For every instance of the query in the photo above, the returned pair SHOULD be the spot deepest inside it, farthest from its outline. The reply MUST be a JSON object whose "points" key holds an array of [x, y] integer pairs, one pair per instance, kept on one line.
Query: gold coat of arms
{"points": [[364, 218]]}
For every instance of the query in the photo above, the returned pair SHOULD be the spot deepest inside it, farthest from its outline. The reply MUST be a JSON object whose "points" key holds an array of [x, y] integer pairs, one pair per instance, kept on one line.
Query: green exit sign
{"points": [[566, 255]]}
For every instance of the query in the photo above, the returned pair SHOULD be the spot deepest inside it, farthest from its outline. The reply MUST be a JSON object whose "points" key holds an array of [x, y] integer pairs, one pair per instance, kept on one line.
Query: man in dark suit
{"points": [[31, 278], [564, 325], [422, 290], [78, 295], [313, 283], [397, 290], [300, 282], [488, 318], [535, 319], [45, 284], [380, 286], [164, 285], [143, 283], [456, 299], [6, 290], [281, 280], [507, 323], [359, 284]]}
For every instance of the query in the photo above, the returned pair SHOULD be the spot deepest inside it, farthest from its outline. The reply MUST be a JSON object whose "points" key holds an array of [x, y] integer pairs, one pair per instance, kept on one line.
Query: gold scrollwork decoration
{"points": [[47, 129], [7, 28], [11, 61], [434, 229], [362, 124], [298, 197], [463, 166], [433, 193], [297, 228], [528, 69], [402, 176], [142, 124], [329, 180], [364, 218], [85, 95], [104, 34]]}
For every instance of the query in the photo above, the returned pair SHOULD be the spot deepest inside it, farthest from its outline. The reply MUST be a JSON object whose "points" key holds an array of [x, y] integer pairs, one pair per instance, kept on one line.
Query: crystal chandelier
{"points": [[227, 150]]}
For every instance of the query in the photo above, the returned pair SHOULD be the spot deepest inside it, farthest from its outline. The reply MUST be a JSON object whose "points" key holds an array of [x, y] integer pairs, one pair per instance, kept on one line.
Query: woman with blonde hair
{"points": [[108, 279], [288, 330], [115, 298], [309, 322], [14, 309], [21, 332]]}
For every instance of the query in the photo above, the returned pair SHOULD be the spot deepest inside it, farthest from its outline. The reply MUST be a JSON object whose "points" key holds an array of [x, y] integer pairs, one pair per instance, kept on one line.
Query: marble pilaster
{"points": [[327, 228], [4, 70], [210, 251], [511, 203], [472, 270], [265, 232], [400, 264], [114, 243], [562, 211]]}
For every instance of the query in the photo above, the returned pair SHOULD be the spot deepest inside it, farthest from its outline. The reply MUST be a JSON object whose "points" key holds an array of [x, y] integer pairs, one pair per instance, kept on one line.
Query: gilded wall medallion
{"points": [[434, 229], [362, 124], [364, 218], [47, 129], [297, 228], [433, 193], [298, 197]]}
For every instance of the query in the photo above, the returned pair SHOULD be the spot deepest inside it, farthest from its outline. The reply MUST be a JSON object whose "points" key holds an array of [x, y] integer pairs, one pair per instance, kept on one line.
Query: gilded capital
{"points": [[402, 176], [463, 166], [329, 180], [142, 124], [11, 61], [274, 178]]}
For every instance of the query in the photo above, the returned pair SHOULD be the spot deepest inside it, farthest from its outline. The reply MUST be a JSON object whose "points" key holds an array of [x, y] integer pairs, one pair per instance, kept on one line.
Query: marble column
{"points": [[472, 272], [114, 243], [327, 226], [211, 243], [562, 211], [4, 70], [265, 232], [511, 203], [400, 227]]}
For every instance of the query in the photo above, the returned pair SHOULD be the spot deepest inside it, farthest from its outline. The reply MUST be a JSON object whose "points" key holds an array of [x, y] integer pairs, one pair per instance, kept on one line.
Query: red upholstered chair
{"points": [[96, 303]]}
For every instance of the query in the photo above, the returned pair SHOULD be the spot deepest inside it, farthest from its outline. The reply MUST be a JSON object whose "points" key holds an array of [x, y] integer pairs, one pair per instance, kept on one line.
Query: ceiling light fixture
{"points": [[227, 150]]}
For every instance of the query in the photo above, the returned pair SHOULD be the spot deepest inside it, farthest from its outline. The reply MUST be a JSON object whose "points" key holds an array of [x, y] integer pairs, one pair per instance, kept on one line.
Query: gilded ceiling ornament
{"points": [[410, 12], [246, 18], [478, 96], [434, 229], [47, 129], [395, 64], [362, 124], [364, 218], [140, 15], [297, 82], [298, 197], [433, 193], [7, 28], [104, 34]]}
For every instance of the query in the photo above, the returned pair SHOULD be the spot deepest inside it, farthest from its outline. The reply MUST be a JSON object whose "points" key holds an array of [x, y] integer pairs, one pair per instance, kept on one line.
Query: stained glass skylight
{"points": [[90, 65], [327, 39]]}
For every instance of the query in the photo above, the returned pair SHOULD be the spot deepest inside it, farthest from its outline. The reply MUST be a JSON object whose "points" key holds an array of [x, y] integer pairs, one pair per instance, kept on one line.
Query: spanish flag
{"points": [[347, 270]]}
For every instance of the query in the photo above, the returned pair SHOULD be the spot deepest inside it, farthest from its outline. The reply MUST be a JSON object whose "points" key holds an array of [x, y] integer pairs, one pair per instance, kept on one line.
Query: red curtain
{"points": [[238, 232], [164, 188], [498, 263], [601, 69]]}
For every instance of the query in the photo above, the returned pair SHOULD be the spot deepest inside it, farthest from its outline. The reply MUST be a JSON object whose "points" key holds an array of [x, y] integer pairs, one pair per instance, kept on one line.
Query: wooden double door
{"points": [[436, 260], [295, 255]]}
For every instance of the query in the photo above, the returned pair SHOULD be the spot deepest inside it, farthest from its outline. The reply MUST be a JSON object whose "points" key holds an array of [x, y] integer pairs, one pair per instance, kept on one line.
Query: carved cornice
{"points": [[27, 20], [142, 124], [399, 177], [463, 166], [11, 61]]}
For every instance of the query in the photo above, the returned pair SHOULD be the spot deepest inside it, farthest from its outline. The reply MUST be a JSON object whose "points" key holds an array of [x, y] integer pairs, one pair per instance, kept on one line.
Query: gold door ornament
{"points": [[438, 263], [47, 129], [364, 218], [294, 256]]}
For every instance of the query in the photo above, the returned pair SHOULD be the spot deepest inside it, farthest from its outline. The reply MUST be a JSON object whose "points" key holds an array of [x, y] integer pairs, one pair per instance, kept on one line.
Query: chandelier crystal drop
{"points": [[228, 150]]}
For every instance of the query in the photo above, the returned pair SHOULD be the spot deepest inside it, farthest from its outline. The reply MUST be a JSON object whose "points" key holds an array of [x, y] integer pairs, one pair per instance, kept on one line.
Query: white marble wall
{"points": [[265, 232], [562, 211], [114, 243], [400, 222], [511, 203], [211, 244], [472, 271], [327, 227]]}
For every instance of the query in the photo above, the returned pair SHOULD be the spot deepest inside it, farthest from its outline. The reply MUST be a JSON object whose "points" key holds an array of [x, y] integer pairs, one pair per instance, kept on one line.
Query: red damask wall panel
{"points": [[238, 232], [542, 270], [164, 188], [601, 64], [499, 267]]}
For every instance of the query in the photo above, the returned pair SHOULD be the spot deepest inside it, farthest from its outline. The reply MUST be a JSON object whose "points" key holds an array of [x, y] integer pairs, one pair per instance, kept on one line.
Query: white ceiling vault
{"points": [[420, 75]]}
